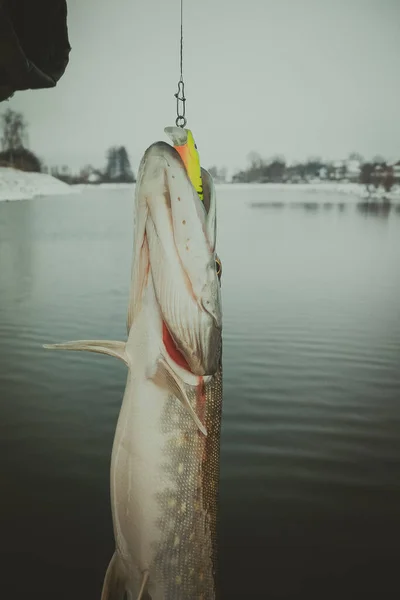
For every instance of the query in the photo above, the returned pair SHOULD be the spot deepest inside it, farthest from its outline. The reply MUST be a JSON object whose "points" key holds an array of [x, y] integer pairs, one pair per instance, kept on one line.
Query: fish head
{"points": [[179, 233]]}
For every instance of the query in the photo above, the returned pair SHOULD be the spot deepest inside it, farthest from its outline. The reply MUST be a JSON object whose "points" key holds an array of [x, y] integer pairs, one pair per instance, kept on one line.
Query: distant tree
{"points": [[125, 165], [111, 171], [312, 167], [302, 171], [213, 172], [13, 143], [240, 177], [377, 174], [356, 156], [85, 172], [219, 175], [275, 171], [118, 167], [342, 174], [388, 179], [292, 173], [255, 160], [255, 170], [223, 173], [64, 174], [14, 133], [366, 174], [330, 171], [378, 160]]}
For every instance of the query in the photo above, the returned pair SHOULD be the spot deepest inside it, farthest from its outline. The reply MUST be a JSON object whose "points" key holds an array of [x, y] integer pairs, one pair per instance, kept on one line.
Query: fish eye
{"points": [[218, 267]]}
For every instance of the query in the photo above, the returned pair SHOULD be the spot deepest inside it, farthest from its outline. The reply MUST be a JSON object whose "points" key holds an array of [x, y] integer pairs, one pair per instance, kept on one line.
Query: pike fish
{"points": [[165, 457]]}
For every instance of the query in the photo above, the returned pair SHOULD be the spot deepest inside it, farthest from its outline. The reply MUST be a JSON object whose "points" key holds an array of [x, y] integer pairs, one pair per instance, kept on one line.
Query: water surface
{"points": [[310, 481]]}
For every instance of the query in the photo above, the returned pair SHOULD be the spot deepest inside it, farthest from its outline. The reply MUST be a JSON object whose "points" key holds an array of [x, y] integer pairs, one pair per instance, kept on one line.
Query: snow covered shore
{"points": [[104, 186], [21, 185]]}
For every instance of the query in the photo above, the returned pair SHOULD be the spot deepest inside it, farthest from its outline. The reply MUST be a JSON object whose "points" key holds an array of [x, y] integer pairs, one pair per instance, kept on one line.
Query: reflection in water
{"points": [[310, 488], [267, 204], [311, 205], [16, 250], [377, 209]]}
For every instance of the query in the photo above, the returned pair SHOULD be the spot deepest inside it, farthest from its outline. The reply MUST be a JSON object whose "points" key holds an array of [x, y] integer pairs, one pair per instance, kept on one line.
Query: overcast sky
{"points": [[294, 77]]}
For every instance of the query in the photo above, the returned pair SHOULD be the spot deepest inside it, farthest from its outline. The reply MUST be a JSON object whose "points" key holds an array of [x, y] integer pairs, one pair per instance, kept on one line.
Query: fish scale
{"points": [[197, 487]]}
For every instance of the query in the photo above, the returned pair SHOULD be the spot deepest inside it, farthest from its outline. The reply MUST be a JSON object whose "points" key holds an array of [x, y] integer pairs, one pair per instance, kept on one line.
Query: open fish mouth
{"points": [[178, 235]]}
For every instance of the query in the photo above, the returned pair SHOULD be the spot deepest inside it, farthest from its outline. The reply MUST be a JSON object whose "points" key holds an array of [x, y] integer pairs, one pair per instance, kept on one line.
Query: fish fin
{"points": [[165, 377], [142, 587], [116, 349], [140, 264], [114, 581]]}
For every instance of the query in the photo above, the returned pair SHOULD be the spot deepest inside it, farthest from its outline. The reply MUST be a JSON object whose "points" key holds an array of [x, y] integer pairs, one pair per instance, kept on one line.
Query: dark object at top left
{"points": [[34, 45]]}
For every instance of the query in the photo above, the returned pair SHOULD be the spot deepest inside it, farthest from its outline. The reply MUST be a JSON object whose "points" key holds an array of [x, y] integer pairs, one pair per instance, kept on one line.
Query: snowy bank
{"points": [[103, 186], [21, 185]]}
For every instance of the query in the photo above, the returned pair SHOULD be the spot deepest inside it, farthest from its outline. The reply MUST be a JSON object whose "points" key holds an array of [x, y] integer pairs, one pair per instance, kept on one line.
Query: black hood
{"points": [[34, 45]]}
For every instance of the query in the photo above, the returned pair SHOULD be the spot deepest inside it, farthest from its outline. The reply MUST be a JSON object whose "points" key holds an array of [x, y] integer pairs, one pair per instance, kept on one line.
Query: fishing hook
{"points": [[180, 94], [180, 105]]}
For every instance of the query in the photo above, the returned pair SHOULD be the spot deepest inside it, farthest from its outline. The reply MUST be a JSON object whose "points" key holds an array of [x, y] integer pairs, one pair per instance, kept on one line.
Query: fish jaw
{"points": [[181, 257]]}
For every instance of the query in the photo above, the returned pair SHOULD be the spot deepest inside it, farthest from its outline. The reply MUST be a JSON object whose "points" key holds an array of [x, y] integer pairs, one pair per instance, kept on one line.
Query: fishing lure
{"points": [[185, 145]]}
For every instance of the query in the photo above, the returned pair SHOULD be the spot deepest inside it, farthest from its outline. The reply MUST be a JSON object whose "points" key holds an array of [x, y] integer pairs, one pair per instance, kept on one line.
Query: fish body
{"points": [[165, 457]]}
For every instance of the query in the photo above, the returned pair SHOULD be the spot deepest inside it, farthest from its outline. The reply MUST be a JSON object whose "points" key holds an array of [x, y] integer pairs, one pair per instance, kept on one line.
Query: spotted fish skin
{"points": [[165, 500], [189, 544]]}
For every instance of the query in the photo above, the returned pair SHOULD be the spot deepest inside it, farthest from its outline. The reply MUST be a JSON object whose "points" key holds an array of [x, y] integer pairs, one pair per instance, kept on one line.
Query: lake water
{"points": [[310, 467]]}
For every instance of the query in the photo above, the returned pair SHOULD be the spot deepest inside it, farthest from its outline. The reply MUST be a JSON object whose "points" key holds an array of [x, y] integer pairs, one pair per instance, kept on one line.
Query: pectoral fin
{"points": [[165, 377], [116, 349], [114, 581]]}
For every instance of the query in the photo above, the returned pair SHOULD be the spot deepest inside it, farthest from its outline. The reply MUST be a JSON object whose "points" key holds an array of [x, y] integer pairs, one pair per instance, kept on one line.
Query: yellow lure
{"points": [[185, 145]]}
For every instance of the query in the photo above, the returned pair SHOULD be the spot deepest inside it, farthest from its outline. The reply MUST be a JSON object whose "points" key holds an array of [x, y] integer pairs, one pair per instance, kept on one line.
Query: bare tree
{"points": [[255, 160], [356, 156], [14, 130]]}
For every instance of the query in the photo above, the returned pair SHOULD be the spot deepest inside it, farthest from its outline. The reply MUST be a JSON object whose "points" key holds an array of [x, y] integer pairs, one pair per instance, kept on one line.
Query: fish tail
{"points": [[114, 585]]}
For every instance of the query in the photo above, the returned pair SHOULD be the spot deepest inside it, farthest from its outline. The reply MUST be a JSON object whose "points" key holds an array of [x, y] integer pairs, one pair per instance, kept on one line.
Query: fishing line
{"points": [[180, 94]]}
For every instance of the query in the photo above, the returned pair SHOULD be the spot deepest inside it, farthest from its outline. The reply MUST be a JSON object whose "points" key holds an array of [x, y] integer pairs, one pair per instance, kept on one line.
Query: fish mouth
{"points": [[180, 237]]}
